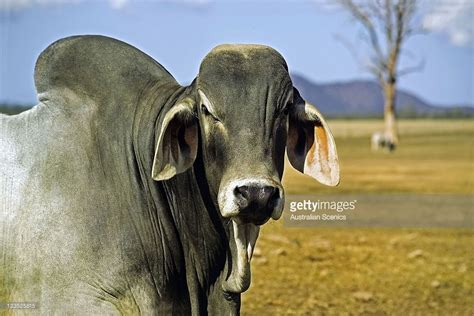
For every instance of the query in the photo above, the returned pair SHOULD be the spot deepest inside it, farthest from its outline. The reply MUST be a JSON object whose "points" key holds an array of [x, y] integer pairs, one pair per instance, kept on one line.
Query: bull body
{"points": [[84, 227], [123, 191]]}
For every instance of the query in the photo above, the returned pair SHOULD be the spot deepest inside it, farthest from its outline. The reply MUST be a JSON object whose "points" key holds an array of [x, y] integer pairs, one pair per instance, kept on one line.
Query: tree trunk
{"points": [[391, 131]]}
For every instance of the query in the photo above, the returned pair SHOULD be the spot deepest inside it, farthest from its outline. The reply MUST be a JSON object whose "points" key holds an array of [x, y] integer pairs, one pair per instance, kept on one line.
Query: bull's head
{"points": [[245, 112]]}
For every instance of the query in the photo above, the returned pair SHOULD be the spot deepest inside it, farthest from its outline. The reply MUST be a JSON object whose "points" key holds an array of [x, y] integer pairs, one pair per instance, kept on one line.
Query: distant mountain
{"points": [[357, 98], [364, 98]]}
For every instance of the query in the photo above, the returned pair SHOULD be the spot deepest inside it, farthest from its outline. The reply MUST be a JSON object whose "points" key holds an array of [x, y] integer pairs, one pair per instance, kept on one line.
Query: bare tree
{"points": [[387, 25]]}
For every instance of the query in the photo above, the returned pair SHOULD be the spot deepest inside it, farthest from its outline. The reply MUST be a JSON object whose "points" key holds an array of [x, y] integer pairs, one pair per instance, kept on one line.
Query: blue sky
{"points": [[178, 33]]}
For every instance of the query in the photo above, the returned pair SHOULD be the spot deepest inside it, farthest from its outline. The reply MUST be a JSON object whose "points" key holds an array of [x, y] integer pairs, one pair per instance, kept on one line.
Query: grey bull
{"points": [[125, 192]]}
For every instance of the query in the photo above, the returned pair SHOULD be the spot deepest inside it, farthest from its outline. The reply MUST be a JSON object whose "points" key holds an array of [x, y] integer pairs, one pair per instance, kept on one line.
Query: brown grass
{"points": [[378, 271]]}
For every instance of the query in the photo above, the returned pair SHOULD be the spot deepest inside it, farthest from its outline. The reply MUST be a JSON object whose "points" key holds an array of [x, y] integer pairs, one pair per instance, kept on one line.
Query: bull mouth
{"points": [[242, 239]]}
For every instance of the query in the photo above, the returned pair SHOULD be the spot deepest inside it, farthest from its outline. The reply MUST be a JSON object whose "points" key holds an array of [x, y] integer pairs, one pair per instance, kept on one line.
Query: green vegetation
{"points": [[11, 109], [410, 112], [374, 271]]}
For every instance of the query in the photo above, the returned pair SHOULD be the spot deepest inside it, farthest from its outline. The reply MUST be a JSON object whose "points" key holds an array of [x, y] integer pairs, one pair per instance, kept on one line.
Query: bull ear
{"points": [[177, 144], [310, 145]]}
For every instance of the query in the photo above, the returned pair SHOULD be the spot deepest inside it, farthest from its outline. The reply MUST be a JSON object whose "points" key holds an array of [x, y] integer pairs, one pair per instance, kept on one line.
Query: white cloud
{"points": [[118, 4], [453, 17]]}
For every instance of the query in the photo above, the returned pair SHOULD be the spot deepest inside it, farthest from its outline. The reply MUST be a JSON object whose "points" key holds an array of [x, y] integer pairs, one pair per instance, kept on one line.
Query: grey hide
{"points": [[114, 189]]}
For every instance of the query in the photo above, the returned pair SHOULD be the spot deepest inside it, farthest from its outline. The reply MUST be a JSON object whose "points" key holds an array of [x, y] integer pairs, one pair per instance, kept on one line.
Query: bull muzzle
{"points": [[248, 203], [256, 202], [251, 200]]}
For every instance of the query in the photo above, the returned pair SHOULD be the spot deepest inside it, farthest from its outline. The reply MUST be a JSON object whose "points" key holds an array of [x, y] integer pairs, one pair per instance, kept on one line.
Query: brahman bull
{"points": [[125, 192]]}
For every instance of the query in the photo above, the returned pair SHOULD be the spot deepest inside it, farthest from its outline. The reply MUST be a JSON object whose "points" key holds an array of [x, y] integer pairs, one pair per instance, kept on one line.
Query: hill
{"points": [[362, 98], [357, 98]]}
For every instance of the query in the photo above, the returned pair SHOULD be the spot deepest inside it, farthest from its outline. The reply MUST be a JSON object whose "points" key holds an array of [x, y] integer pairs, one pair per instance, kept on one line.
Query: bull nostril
{"points": [[267, 193], [243, 191], [261, 196], [274, 198], [256, 202]]}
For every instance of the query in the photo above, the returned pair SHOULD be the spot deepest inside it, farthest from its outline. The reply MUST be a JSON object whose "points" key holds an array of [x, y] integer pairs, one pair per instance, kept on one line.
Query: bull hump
{"points": [[94, 66]]}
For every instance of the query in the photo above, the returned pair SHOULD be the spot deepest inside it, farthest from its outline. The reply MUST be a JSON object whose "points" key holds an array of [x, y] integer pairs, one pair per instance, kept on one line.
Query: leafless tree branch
{"points": [[349, 46], [408, 70], [364, 18], [393, 22]]}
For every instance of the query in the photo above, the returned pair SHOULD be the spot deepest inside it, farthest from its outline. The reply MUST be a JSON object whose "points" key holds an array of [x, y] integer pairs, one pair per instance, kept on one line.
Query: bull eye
{"points": [[206, 112], [286, 109]]}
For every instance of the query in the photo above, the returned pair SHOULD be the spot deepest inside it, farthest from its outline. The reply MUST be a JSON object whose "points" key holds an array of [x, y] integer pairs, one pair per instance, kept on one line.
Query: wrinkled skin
{"points": [[124, 192]]}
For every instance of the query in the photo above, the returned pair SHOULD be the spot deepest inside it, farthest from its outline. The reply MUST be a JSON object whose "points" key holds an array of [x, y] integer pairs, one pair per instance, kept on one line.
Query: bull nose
{"points": [[256, 202], [261, 195]]}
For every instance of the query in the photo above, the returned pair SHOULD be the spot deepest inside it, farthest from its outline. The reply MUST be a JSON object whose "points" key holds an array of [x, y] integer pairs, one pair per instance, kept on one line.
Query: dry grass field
{"points": [[375, 271]]}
